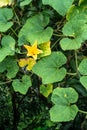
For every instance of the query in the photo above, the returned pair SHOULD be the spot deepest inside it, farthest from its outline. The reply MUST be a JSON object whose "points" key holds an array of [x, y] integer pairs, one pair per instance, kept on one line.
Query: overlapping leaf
{"points": [[61, 6], [50, 68], [23, 85], [63, 110], [8, 47], [34, 30], [5, 15], [75, 29]]}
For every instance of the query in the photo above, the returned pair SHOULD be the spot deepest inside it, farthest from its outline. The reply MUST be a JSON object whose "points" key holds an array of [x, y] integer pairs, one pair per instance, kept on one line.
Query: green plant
{"points": [[43, 56]]}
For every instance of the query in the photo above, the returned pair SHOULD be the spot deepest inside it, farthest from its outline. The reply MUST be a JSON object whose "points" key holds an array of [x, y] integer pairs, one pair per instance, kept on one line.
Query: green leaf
{"points": [[83, 80], [45, 90], [76, 30], [50, 68], [10, 65], [83, 71], [77, 13], [22, 86], [25, 2], [34, 30], [61, 6], [5, 15], [69, 44], [8, 47], [83, 67], [64, 108]]}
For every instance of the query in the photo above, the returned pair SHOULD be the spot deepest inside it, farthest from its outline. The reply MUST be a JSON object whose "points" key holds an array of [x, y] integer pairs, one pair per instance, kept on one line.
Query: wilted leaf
{"points": [[27, 62], [45, 90], [45, 47]]}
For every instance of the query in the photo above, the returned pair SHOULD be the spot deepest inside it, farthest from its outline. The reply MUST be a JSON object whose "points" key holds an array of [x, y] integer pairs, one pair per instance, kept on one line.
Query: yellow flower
{"points": [[5, 2], [27, 62], [33, 50]]}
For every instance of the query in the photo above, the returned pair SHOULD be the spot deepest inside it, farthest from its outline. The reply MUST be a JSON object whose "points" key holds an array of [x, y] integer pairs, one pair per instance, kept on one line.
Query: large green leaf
{"points": [[64, 108], [23, 85], [78, 13], [75, 29], [61, 6], [83, 67], [8, 47], [5, 15], [34, 30], [10, 65], [77, 33], [50, 68]]}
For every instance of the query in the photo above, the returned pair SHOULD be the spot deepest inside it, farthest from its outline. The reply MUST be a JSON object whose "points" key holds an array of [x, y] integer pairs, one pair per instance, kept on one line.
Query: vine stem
{"points": [[76, 59], [55, 43], [81, 111], [16, 16], [14, 32], [6, 82], [58, 35], [71, 73]]}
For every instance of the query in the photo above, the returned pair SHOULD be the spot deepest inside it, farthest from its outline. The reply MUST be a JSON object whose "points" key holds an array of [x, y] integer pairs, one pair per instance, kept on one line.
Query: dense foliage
{"points": [[43, 64]]}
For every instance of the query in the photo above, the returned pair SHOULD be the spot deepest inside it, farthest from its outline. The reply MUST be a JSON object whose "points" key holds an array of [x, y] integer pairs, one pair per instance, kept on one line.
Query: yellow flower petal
{"points": [[33, 50]]}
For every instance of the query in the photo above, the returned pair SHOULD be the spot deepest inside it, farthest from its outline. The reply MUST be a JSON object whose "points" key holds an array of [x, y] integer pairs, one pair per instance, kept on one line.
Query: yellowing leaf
{"points": [[46, 90], [32, 62], [27, 62], [5, 2], [33, 50], [45, 47]]}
